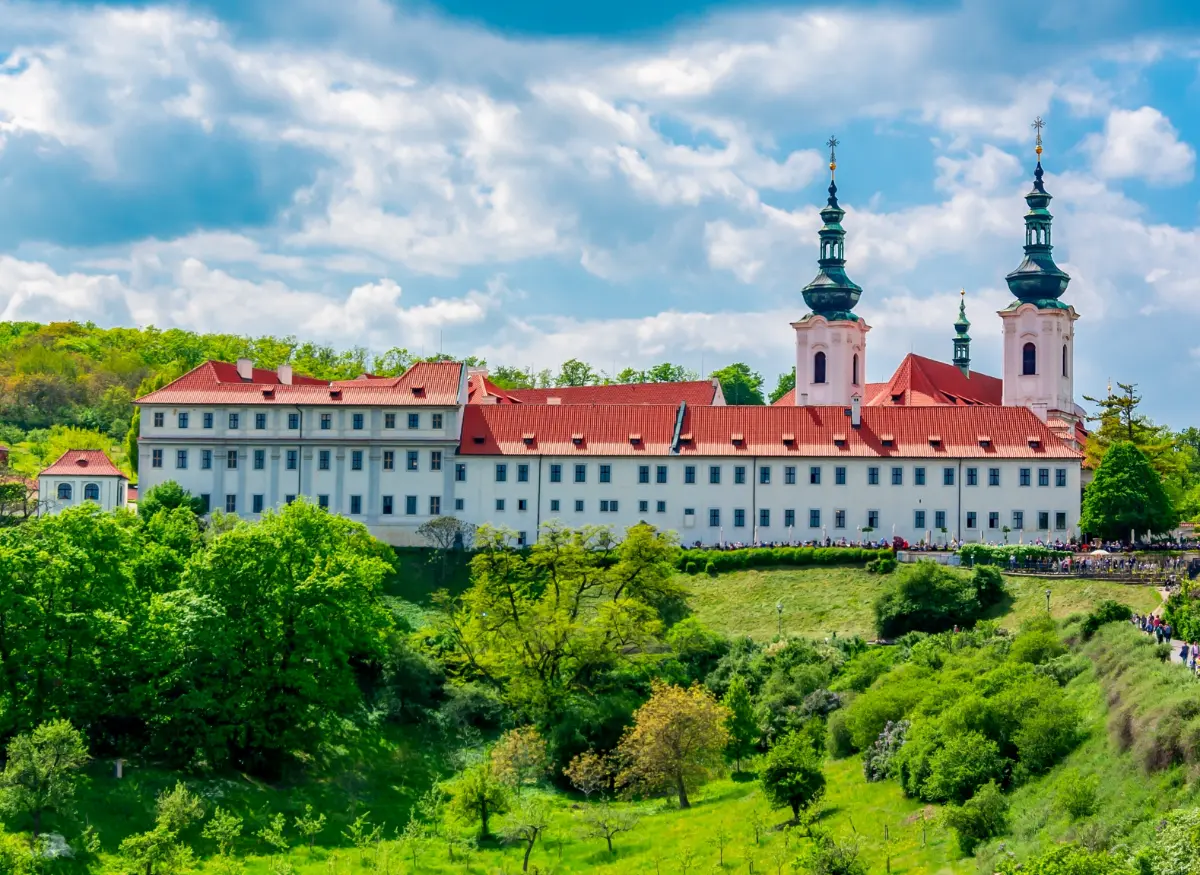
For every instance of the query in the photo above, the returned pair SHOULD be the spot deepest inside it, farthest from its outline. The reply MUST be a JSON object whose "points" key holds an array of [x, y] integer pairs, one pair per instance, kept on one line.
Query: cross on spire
{"points": [[833, 143], [1037, 125]]}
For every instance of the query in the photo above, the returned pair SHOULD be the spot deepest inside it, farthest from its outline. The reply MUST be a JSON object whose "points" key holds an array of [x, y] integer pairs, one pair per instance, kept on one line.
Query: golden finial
{"points": [[832, 143], [963, 293], [1037, 125]]}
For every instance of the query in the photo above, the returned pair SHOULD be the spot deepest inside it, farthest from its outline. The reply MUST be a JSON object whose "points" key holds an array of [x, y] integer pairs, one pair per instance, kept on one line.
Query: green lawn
{"points": [[819, 601]]}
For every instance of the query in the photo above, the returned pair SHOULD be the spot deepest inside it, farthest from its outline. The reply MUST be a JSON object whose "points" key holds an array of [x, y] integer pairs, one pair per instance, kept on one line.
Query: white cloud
{"points": [[1140, 144]]}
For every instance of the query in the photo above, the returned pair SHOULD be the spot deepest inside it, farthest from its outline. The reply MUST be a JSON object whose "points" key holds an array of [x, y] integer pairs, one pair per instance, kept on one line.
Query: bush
{"points": [[986, 554], [989, 586], [982, 817], [877, 761], [865, 668], [1036, 648], [690, 567], [766, 557], [886, 702], [1108, 611], [926, 597], [839, 743], [710, 569], [471, 706], [1072, 860], [1063, 668], [1076, 796], [964, 764], [882, 565], [1047, 734]]}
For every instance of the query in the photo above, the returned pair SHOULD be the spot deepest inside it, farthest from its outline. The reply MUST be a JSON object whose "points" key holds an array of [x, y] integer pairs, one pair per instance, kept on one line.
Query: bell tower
{"points": [[1039, 332], [962, 340], [831, 340]]}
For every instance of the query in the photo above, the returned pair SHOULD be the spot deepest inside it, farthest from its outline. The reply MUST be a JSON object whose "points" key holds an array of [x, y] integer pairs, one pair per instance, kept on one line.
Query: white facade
{"points": [[831, 360], [1039, 359], [57, 492]]}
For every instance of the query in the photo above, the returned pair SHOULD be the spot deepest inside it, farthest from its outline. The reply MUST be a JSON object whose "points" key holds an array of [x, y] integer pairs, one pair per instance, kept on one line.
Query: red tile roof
{"points": [[697, 393], [599, 430], [425, 383], [91, 463], [921, 382], [870, 390]]}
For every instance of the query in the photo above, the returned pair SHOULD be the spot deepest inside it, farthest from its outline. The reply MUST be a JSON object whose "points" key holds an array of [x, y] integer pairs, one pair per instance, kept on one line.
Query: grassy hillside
{"points": [[819, 601]]}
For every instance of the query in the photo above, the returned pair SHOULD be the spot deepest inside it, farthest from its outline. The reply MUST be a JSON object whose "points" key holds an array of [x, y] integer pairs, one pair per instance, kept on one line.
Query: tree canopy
{"points": [[1126, 495], [739, 384]]}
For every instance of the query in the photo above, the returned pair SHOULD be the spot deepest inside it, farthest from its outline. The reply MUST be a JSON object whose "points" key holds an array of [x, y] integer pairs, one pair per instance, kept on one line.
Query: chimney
{"points": [[855, 410], [285, 374], [245, 369], [803, 399], [554, 399]]}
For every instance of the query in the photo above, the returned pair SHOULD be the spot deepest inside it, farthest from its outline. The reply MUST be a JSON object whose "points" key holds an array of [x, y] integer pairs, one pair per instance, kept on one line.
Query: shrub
{"points": [[1047, 734], [989, 585], [963, 764], [865, 668], [827, 856], [987, 554], [710, 569], [1108, 611], [882, 565], [1076, 796], [982, 817], [471, 705], [820, 703], [1071, 860], [1063, 668], [690, 567], [839, 742], [765, 557], [887, 701], [1036, 648], [791, 775], [926, 597], [877, 761]]}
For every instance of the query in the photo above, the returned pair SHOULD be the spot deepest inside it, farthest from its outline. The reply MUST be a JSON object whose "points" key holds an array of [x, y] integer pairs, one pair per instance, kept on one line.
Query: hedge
{"points": [[715, 561], [986, 554]]}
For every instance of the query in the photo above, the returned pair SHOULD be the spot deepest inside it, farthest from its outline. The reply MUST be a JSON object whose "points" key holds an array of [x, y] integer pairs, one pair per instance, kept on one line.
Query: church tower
{"points": [[831, 341], [1039, 333], [962, 340]]}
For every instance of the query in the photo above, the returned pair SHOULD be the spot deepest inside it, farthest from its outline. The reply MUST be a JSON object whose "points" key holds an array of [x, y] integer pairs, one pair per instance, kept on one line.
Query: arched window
{"points": [[1029, 359], [1064, 359], [91, 492], [819, 368], [64, 492], [854, 370]]}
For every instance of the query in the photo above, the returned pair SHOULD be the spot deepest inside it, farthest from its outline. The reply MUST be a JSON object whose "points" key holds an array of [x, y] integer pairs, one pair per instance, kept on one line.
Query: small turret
{"points": [[962, 340], [1038, 280], [831, 293]]}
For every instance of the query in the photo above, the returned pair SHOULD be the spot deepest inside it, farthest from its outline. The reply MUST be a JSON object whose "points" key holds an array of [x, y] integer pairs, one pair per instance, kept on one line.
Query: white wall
{"points": [[111, 491]]}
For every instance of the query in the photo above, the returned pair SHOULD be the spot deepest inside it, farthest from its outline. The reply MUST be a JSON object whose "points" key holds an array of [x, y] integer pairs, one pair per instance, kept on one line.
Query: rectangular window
{"points": [[1043, 520], [604, 505], [411, 460], [231, 459], [993, 476], [947, 476], [606, 473], [972, 477], [235, 421], [789, 519], [293, 421], [289, 499], [1060, 477], [1043, 476], [714, 517], [208, 420], [970, 519], [1023, 479], [918, 476], [839, 475], [389, 420], [739, 518], [643, 473], [522, 504], [873, 519], [435, 421], [897, 476], [578, 505], [764, 518], [522, 473], [660, 507], [410, 505], [764, 475], [993, 520], [714, 474], [389, 460], [459, 504], [256, 504], [292, 460], [460, 472], [323, 502], [326, 421], [872, 476], [501, 472], [388, 508], [919, 520], [556, 473], [1060, 521], [158, 419], [322, 460], [612, 505], [355, 505], [414, 420], [554, 505], [839, 519], [182, 418], [814, 475], [1018, 520], [356, 460], [660, 474], [814, 519], [230, 504], [789, 475], [435, 462], [356, 422], [181, 458], [581, 473], [739, 474], [435, 505], [205, 502], [939, 519], [689, 474], [521, 539], [260, 460], [643, 507], [260, 421], [206, 459]]}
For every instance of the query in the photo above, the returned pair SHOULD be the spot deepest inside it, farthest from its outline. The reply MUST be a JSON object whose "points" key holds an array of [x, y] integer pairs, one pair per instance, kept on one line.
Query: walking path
{"points": [[1175, 644]]}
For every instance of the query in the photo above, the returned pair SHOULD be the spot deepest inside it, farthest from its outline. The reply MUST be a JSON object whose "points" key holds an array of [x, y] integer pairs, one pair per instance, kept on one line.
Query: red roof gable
{"points": [[922, 382], [90, 463], [425, 383], [600, 430]]}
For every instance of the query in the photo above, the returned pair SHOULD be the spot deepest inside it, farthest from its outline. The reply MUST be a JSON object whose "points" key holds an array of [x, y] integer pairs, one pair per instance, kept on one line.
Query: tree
{"points": [[785, 384], [310, 825], [739, 384], [444, 534], [527, 823], [978, 819], [590, 772], [576, 373], [677, 740], [224, 828], [606, 821], [1120, 421], [925, 597], [660, 373], [742, 723], [519, 757], [160, 849], [792, 774], [168, 496], [39, 776], [511, 378], [1126, 495], [477, 795]]}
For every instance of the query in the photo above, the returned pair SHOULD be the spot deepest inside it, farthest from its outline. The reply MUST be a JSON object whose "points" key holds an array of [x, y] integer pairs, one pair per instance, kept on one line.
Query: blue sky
{"points": [[628, 183]]}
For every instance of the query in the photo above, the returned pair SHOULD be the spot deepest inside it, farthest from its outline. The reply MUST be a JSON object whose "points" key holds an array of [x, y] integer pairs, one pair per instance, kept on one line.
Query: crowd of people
{"points": [[1161, 631]]}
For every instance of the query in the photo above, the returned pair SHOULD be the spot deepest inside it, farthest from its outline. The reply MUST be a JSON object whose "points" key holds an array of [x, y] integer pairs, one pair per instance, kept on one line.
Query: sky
{"points": [[626, 182]]}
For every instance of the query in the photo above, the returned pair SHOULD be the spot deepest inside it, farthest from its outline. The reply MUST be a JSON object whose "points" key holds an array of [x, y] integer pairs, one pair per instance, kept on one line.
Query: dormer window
{"points": [[839, 438], [985, 441], [528, 438], [1034, 442], [789, 438], [268, 393], [887, 440], [335, 394], [736, 437], [478, 438], [577, 438], [935, 439], [635, 438]]}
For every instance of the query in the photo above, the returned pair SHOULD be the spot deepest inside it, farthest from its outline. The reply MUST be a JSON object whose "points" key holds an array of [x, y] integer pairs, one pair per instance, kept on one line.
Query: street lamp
{"points": [[1047, 601], [779, 615]]}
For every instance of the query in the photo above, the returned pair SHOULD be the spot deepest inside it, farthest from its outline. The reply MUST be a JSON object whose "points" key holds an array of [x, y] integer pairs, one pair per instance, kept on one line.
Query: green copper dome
{"points": [[962, 340], [1038, 280], [831, 293]]}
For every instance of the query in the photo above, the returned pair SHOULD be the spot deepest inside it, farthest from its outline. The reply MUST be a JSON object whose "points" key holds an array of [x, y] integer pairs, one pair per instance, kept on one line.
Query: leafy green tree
{"points": [[785, 384], [1120, 422], [526, 824], [964, 763], [310, 825], [477, 795], [168, 495], [161, 849], [791, 775], [739, 384], [660, 373], [40, 774], [576, 373], [925, 597], [505, 377], [1075, 860], [980, 818], [742, 723], [1126, 495]]}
